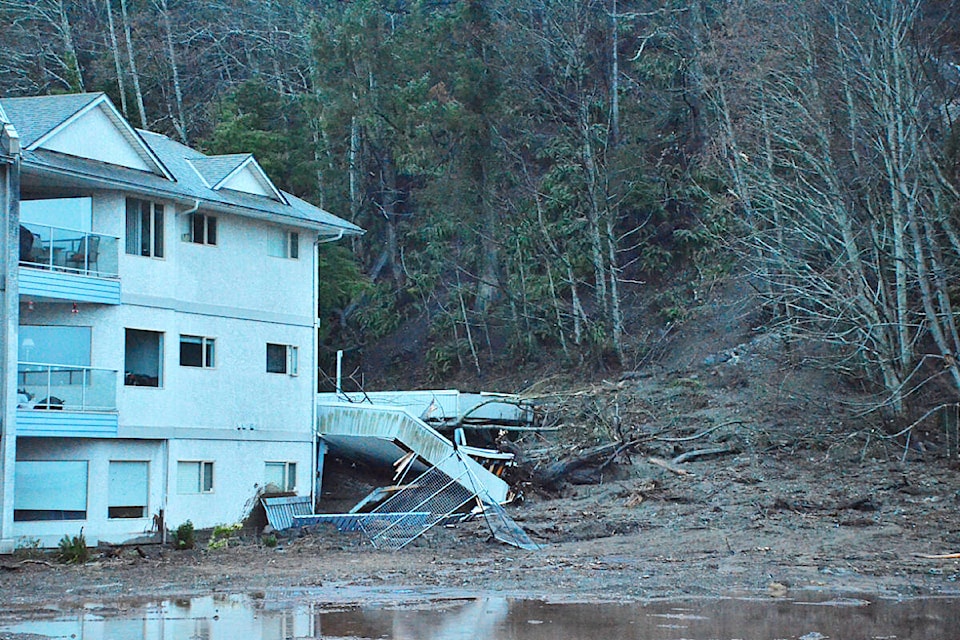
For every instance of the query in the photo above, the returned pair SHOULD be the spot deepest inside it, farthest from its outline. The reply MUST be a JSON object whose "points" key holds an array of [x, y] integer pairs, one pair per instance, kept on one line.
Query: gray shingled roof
{"points": [[216, 168], [34, 117]]}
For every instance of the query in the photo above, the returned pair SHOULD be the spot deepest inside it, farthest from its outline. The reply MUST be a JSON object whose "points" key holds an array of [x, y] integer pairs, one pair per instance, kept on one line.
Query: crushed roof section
{"points": [[35, 117]]}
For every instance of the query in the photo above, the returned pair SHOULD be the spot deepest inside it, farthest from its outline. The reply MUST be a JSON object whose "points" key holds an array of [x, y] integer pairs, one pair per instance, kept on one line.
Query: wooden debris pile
{"points": [[589, 433]]}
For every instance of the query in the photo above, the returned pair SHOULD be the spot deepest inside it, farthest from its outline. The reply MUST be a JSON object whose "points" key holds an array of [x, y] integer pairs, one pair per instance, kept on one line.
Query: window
{"points": [[203, 228], [293, 245], [143, 355], [196, 351], [144, 228], [195, 477], [282, 358], [127, 489], [282, 475], [50, 490], [286, 244], [55, 344]]}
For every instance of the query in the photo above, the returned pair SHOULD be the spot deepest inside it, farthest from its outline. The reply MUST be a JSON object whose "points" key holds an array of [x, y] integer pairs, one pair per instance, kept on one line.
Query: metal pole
{"points": [[339, 371]]}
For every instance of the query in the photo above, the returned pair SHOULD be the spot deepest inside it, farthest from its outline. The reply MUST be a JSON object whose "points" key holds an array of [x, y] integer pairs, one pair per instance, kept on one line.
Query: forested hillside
{"points": [[531, 173]]}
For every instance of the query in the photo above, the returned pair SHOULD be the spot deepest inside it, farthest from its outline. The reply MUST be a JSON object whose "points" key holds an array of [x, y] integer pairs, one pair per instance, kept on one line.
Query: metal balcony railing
{"points": [[59, 249], [56, 387]]}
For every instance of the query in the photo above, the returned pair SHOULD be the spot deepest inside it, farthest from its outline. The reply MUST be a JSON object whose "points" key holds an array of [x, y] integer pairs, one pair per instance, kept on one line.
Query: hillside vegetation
{"points": [[552, 186]]}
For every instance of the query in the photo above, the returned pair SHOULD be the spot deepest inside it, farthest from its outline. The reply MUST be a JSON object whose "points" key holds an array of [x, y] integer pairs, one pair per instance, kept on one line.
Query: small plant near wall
{"points": [[28, 549], [73, 549], [270, 540], [223, 534], [185, 537]]}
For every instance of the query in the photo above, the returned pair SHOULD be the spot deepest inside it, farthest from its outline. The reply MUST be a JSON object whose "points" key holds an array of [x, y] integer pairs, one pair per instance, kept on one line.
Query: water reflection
{"points": [[233, 617]]}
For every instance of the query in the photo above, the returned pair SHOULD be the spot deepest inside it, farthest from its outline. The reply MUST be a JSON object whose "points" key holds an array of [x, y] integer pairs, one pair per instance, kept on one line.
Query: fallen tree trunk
{"points": [[555, 473]]}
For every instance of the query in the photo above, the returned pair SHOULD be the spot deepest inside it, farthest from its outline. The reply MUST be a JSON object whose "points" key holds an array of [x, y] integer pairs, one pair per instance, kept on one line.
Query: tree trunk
{"points": [[134, 75], [179, 122], [115, 50]]}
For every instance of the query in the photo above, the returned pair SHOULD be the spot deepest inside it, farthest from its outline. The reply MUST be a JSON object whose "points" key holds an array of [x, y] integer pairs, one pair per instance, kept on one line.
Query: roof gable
{"points": [[116, 142], [249, 177], [236, 172]]}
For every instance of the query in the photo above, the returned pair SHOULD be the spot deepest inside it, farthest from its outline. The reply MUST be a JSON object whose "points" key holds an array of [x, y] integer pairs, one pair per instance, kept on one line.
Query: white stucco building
{"points": [[159, 329]]}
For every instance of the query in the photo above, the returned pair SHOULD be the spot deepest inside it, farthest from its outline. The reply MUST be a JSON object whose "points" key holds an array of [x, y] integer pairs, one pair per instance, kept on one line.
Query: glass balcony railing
{"points": [[58, 249], [56, 387]]}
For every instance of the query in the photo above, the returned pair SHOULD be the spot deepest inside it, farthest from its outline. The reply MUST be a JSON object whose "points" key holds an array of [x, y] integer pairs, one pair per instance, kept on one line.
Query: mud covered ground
{"points": [[811, 491], [756, 524], [786, 510]]}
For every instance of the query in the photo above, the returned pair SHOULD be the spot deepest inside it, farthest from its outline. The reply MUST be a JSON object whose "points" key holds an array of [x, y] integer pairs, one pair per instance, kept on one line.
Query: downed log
{"points": [[601, 456], [660, 462], [699, 453]]}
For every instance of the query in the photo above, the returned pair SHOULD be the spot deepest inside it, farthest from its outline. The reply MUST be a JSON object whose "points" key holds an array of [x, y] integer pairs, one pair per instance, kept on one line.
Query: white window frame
{"points": [[291, 359], [134, 236], [209, 231], [289, 473], [208, 352], [202, 469], [287, 245]]}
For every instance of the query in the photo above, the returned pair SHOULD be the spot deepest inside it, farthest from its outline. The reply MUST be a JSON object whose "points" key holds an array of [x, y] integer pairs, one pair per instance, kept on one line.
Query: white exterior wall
{"points": [[98, 454], [239, 469], [111, 145], [236, 414]]}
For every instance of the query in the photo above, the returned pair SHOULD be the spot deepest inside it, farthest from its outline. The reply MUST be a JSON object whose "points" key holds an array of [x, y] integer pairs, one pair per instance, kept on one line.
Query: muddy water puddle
{"points": [[271, 617]]}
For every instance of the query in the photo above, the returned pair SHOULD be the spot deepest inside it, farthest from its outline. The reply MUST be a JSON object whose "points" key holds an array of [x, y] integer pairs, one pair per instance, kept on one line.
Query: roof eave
{"points": [[29, 167]]}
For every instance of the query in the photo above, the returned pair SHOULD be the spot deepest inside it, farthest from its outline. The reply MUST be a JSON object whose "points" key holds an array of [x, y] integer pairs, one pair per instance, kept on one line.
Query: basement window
{"points": [[49, 490], [282, 475], [127, 489], [194, 476]]}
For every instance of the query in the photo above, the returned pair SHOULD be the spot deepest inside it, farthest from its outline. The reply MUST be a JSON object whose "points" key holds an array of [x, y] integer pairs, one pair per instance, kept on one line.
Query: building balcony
{"points": [[68, 265], [66, 401]]}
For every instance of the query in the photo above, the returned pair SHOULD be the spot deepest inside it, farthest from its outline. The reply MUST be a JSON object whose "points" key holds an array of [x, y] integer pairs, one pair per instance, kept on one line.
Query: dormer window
{"points": [[203, 229]]}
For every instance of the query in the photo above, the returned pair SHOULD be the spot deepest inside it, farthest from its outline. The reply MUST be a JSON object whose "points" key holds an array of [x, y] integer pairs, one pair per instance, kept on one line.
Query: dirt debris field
{"points": [[746, 474], [797, 501]]}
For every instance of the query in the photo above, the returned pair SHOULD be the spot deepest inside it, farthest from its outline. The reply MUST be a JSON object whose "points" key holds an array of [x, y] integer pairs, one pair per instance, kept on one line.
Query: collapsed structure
{"points": [[158, 345], [439, 478]]}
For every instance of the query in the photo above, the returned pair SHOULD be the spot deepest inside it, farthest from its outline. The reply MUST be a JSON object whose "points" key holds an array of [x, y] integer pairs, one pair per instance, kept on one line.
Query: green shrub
{"points": [[222, 534], [270, 541], [73, 550], [185, 536]]}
